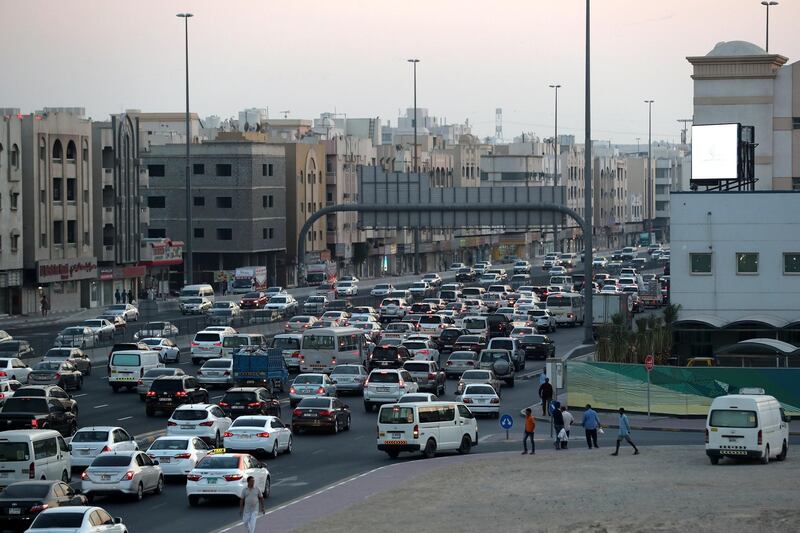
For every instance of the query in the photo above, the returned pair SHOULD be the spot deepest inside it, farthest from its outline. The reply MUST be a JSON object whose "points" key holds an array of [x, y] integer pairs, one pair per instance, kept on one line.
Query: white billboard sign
{"points": [[715, 152]]}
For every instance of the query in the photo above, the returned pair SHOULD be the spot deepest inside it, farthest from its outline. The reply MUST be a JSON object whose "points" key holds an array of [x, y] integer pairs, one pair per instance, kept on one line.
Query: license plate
{"points": [[84, 452], [213, 373], [244, 436], [383, 389], [237, 407], [15, 510], [309, 415], [184, 426], [105, 477], [164, 460], [396, 435], [212, 481], [165, 399]]}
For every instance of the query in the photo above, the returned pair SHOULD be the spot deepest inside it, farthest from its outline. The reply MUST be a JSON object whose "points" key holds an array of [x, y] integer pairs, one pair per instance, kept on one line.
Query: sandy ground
{"points": [[666, 488]]}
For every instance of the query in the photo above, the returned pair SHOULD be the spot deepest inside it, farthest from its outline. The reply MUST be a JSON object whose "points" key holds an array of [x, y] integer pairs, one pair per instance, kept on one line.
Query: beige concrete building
{"points": [[157, 129], [58, 234], [11, 220]]}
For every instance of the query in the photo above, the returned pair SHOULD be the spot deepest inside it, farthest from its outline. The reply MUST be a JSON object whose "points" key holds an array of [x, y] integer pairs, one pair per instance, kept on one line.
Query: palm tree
{"points": [[671, 314]]}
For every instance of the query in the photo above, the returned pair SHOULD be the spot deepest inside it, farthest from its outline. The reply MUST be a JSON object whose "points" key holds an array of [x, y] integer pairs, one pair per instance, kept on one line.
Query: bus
{"points": [[324, 348], [566, 308]]}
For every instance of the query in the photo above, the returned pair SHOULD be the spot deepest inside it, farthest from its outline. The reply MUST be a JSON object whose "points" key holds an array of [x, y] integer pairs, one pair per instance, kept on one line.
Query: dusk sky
{"points": [[350, 55]]}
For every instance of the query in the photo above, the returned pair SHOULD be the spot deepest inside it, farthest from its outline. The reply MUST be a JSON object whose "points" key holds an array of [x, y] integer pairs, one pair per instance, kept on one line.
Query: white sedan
{"points": [[89, 442], [225, 474], [481, 399], [285, 304], [203, 420], [543, 320], [167, 349], [259, 434], [101, 327], [421, 349], [600, 262], [346, 288], [14, 368], [127, 311], [178, 456], [381, 289], [77, 519]]}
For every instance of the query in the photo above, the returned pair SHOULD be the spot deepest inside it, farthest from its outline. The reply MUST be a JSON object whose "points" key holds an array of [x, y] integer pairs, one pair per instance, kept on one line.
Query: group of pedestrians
{"points": [[123, 297]]}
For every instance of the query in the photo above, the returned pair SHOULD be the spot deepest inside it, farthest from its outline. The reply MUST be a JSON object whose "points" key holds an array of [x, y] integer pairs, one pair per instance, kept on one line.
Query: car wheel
{"points": [[65, 477], [393, 454], [347, 424], [335, 429], [765, 457], [784, 451], [159, 486], [195, 361], [289, 446], [430, 449], [714, 459], [267, 488], [194, 501], [139, 493], [466, 445], [89, 370], [274, 453]]}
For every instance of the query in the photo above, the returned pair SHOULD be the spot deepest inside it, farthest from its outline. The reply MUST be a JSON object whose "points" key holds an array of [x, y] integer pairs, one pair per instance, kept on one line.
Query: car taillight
{"points": [[449, 363], [183, 456], [321, 390], [32, 471], [424, 352], [106, 448], [150, 393], [193, 477], [181, 394], [207, 424], [3, 374], [217, 344], [366, 382], [325, 412], [297, 412], [292, 390], [760, 437], [402, 384], [39, 508], [226, 373], [254, 404], [58, 375], [171, 423], [233, 477], [431, 375], [199, 372], [227, 434], [263, 435], [193, 345], [223, 404], [466, 400], [415, 432], [495, 400], [128, 475], [140, 382], [295, 355], [470, 363], [333, 361], [706, 435], [34, 423]]}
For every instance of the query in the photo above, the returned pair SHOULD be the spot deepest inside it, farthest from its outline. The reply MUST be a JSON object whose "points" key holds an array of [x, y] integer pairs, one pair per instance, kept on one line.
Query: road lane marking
{"points": [[79, 395], [315, 452], [217, 397], [124, 418], [101, 405]]}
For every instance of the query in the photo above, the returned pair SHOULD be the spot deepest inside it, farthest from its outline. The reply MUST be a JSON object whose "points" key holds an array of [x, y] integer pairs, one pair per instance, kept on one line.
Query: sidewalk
{"points": [[58, 317]]}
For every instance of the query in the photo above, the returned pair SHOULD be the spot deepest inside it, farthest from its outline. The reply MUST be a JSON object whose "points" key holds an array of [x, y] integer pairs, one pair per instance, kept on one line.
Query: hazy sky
{"points": [[310, 56]]}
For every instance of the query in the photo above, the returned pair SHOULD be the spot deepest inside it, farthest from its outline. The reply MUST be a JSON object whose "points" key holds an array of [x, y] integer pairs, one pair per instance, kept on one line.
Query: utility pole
{"points": [[587, 196], [556, 152], [187, 263], [685, 121], [637, 145], [651, 210], [768, 5], [415, 165]]}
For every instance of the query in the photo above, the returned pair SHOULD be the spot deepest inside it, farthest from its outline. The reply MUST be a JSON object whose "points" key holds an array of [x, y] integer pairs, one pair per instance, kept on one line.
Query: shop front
{"points": [[11, 292], [67, 284], [120, 279], [162, 259]]}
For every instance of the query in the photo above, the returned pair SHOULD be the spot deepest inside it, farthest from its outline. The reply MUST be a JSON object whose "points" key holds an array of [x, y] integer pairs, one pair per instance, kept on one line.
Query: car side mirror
{"points": [[117, 520], [334, 381], [155, 462], [787, 418]]}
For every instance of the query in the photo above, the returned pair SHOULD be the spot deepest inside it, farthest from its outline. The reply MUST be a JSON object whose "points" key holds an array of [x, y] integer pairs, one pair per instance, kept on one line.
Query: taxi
{"points": [[221, 474]]}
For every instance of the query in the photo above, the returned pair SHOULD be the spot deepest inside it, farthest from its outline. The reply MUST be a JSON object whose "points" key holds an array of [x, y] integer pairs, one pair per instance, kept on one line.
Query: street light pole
{"points": [[650, 206], [587, 197], [767, 4], [414, 165], [556, 153], [187, 264]]}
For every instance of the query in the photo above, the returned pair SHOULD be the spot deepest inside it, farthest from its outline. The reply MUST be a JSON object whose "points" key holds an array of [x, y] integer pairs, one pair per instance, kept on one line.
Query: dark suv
{"points": [[538, 346], [240, 401], [388, 357], [168, 392], [499, 326], [448, 338], [465, 275], [50, 392]]}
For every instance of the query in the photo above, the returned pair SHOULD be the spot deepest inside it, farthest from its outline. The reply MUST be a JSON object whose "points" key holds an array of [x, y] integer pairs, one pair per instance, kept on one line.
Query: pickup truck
{"points": [[37, 413], [260, 368]]}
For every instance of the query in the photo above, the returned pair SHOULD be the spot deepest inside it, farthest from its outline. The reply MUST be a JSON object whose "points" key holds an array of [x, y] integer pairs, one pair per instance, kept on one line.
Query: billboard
{"points": [[715, 152]]}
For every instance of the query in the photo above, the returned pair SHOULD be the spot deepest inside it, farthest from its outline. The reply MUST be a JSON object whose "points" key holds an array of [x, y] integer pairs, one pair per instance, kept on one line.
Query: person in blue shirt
{"points": [[590, 425], [624, 433]]}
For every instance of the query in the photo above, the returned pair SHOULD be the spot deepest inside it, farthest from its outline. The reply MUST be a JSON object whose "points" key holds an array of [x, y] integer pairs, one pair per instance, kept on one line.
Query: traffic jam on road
{"points": [[424, 361]]}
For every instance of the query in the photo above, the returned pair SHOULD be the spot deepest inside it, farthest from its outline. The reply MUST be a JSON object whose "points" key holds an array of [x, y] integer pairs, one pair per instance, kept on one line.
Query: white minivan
{"points": [[427, 427], [747, 426], [127, 367], [194, 291], [33, 454], [476, 325]]}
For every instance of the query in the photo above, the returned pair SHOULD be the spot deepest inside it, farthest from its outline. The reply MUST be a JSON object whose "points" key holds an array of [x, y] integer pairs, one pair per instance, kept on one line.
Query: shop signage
{"points": [[66, 269]]}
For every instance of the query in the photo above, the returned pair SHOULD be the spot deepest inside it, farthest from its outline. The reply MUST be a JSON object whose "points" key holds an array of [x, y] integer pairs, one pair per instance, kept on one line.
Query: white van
{"points": [[193, 291], [427, 427], [747, 426], [126, 367], [33, 454], [566, 308], [241, 340], [476, 325]]}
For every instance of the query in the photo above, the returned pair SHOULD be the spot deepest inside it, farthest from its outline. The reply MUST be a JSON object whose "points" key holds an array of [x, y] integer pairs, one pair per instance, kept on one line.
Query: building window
{"points": [[42, 240], [14, 155], [42, 149], [700, 263], [57, 189], [71, 151], [796, 123], [224, 234], [70, 232], [199, 233], [14, 242], [58, 232], [267, 233], [796, 184], [267, 200], [224, 170], [85, 152], [156, 171], [791, 263], [157, 202], [14, 201], [224, 202], [199, 201], [309, 208], [156, 233], [198, 169], [58, 150], [70, 189], [747, 263], [269, 170]]}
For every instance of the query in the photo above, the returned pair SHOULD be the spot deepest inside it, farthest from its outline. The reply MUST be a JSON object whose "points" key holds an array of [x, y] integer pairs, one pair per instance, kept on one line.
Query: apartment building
{"points": [[58, 213], [11, 221], [239, 199]]}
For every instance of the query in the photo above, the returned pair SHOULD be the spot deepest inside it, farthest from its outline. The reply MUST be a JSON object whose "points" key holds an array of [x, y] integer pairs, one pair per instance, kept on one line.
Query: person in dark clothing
{"points": [[546, 394], [117, 297], [124, 296], [130, 296], [558, 425], [591, 423]]}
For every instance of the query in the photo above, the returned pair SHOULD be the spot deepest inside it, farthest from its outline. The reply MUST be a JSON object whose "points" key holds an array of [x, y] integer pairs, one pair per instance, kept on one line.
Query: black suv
{"points": [[31, 412], [50, 392], [448, 338], [388, 357], [168, 392], [537, 346], [250, 401], [466, 275], [499, 326]]}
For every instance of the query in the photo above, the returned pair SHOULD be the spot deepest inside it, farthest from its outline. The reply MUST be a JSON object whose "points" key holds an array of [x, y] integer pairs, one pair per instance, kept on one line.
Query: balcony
{"points": [[108, 215], [108, 177]]}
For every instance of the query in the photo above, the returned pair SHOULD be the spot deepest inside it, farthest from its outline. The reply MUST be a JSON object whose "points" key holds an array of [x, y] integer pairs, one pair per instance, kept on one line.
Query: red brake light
{"points": [[325, 412], [171, 423], [402, 384], [207, 424], [34, 424], [3, 374], [297, 412], [321, 390], [226, 373], [495, 400], [254, 404], [150, 393], [449, 363], [223, 404], [470, 363], [32, 472], [217, 344], [263, 435], [292, 390], [466, 400], [140, 382], [39, 508], [128, 475], [227, 434], [431, 375], [183, 456], [58, 375], [416, 432], [193, 477], [193, 344], [105, 449], [706, 435], [181, 393], [233, 477], [760, 437]]}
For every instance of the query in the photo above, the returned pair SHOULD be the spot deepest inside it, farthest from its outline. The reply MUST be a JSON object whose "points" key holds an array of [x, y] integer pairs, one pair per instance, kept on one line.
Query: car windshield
{"points": [[250, 423], [66, 520], [430, 319], [170, 444], [57, 353], [112, 460], [475, 323], [319, 342], [189, 414], [468, 339], [533, 339], [167, 385], [345, 370], [315, 402], [155, 372], [235, 342], [218, 363], [25, 490], [14, 451], [384, 377], [487, 356], [194, 300], [125, 359], [207, 337], [479, 389], [382, 287], [71, 331], [252, 295], [730, 418], [158, 326], [415, 345], [219, 462], [310, 379], [417, 367], [48, 365], [152, 342], [90, 436], [286, 343], [397, 415], [278, 300], [239, 397], [461, 356], [475, 374]]}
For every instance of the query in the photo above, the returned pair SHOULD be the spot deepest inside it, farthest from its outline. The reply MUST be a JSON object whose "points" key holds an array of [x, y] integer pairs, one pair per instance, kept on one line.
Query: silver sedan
{"points": [[310, 385], [132, 473]]}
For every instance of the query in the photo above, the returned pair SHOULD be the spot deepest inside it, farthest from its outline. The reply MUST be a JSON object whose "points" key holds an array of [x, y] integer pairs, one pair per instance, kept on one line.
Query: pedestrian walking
{"points": [[530, 427], [251, 504], [546, 394], [568, 420], [117, 297], [590, 425], [45, 305], [130, 296], [558, 426], [124, 296], [624, 433]]}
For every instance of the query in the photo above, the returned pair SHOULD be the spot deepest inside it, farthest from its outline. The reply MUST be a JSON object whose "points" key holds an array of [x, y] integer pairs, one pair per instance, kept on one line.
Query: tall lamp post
{"points": [[187, 264], [414, 165], [768, 4], [650, 207], [587, 195], [556, 153]]}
